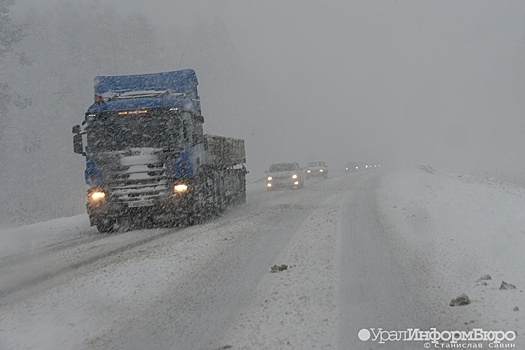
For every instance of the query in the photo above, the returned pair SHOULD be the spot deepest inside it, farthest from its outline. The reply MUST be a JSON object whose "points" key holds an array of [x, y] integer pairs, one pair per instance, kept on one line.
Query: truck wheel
{"points": [[242, 198], [105, 225], [194, 212]]}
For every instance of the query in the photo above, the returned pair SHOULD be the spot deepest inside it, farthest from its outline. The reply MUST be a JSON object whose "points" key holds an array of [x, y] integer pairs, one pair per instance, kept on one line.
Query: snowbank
{"points": [[467, 234]]}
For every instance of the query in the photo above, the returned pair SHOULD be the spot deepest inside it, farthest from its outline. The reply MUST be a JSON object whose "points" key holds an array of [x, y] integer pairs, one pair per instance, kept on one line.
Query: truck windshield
{"points": [[111, 132]]}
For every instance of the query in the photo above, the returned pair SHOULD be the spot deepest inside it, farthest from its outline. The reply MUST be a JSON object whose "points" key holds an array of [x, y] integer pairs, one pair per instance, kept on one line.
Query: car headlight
{"points": [[96, 196], [180, 188], [321, 170], [270, 178], [308, 171], [294, 176]]}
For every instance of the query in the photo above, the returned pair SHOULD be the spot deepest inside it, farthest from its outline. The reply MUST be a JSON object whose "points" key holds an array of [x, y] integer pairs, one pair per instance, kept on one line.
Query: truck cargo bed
{"points": [[225, 151]]}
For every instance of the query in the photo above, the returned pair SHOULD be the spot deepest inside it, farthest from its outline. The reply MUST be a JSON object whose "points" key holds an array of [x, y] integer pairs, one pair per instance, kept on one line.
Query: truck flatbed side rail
{"points": [[225, 151]]}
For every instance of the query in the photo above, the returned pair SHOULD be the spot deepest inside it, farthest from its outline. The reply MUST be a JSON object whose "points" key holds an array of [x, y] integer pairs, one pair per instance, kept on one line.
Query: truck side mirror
{"points": [[76, 129], [78, 146]]}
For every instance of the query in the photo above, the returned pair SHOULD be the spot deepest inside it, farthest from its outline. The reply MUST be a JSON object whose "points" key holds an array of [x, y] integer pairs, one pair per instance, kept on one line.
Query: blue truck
{"points": [[148, 161]]}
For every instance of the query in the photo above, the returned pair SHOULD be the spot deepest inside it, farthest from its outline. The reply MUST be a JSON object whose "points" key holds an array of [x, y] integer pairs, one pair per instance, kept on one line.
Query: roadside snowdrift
{"points": [[459, 230]]}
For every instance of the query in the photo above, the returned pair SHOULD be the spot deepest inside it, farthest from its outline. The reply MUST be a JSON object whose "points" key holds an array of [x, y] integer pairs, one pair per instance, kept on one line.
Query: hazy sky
{"points": [[438, 82]]}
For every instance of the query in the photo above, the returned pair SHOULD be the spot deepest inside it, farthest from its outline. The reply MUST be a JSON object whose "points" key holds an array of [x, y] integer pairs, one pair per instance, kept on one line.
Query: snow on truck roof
{"points": [[176, 88], [181, 81]]}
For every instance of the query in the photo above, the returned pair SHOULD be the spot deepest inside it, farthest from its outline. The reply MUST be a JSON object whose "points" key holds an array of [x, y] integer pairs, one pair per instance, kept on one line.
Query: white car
{"points": [[317, 168], [284, 175]]}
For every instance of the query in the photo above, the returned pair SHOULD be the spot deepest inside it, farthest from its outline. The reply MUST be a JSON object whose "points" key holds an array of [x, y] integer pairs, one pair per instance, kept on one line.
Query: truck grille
{"points": [[138, 183], [140, 176]]}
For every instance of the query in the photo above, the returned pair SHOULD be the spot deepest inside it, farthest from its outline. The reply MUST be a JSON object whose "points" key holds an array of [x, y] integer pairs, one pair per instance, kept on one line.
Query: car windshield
{"points": [[313, 164], [283, 167]]}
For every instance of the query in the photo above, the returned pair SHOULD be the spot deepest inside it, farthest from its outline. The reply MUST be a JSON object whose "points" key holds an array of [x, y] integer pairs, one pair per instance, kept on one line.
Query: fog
{"points": [[394, 82], [437, 82]]}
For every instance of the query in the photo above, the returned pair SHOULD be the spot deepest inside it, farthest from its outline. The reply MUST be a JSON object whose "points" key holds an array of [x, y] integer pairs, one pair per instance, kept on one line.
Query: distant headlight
{"points": [[270, 178], [97, 196], [294, 176], [308, 171], [180, 188], [346, 168], [321, 170], [268, 185]]}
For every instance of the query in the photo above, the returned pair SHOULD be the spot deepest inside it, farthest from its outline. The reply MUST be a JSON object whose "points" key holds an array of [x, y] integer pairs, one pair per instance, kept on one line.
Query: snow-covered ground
{"points": [[448, 232], [465, 228], [467, 234]]}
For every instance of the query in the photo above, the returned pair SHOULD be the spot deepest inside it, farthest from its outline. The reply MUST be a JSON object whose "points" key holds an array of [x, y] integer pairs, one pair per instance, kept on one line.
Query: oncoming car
{"points": [[352, 166], [284, 175], [317, 168]]}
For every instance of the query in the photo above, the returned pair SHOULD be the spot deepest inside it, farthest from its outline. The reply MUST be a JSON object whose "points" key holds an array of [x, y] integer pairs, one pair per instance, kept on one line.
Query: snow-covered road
{"points": [[377, 290], [363, 251]]}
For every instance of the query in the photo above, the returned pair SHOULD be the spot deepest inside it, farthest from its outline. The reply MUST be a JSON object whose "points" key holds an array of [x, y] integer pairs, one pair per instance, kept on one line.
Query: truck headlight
{"points": [[180, 188], [270, 178], [96, 196], [294, 176]]}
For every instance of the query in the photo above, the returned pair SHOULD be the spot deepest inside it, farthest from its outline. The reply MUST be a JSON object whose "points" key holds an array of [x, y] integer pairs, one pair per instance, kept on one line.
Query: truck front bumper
{"points": [[169, 208]]}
